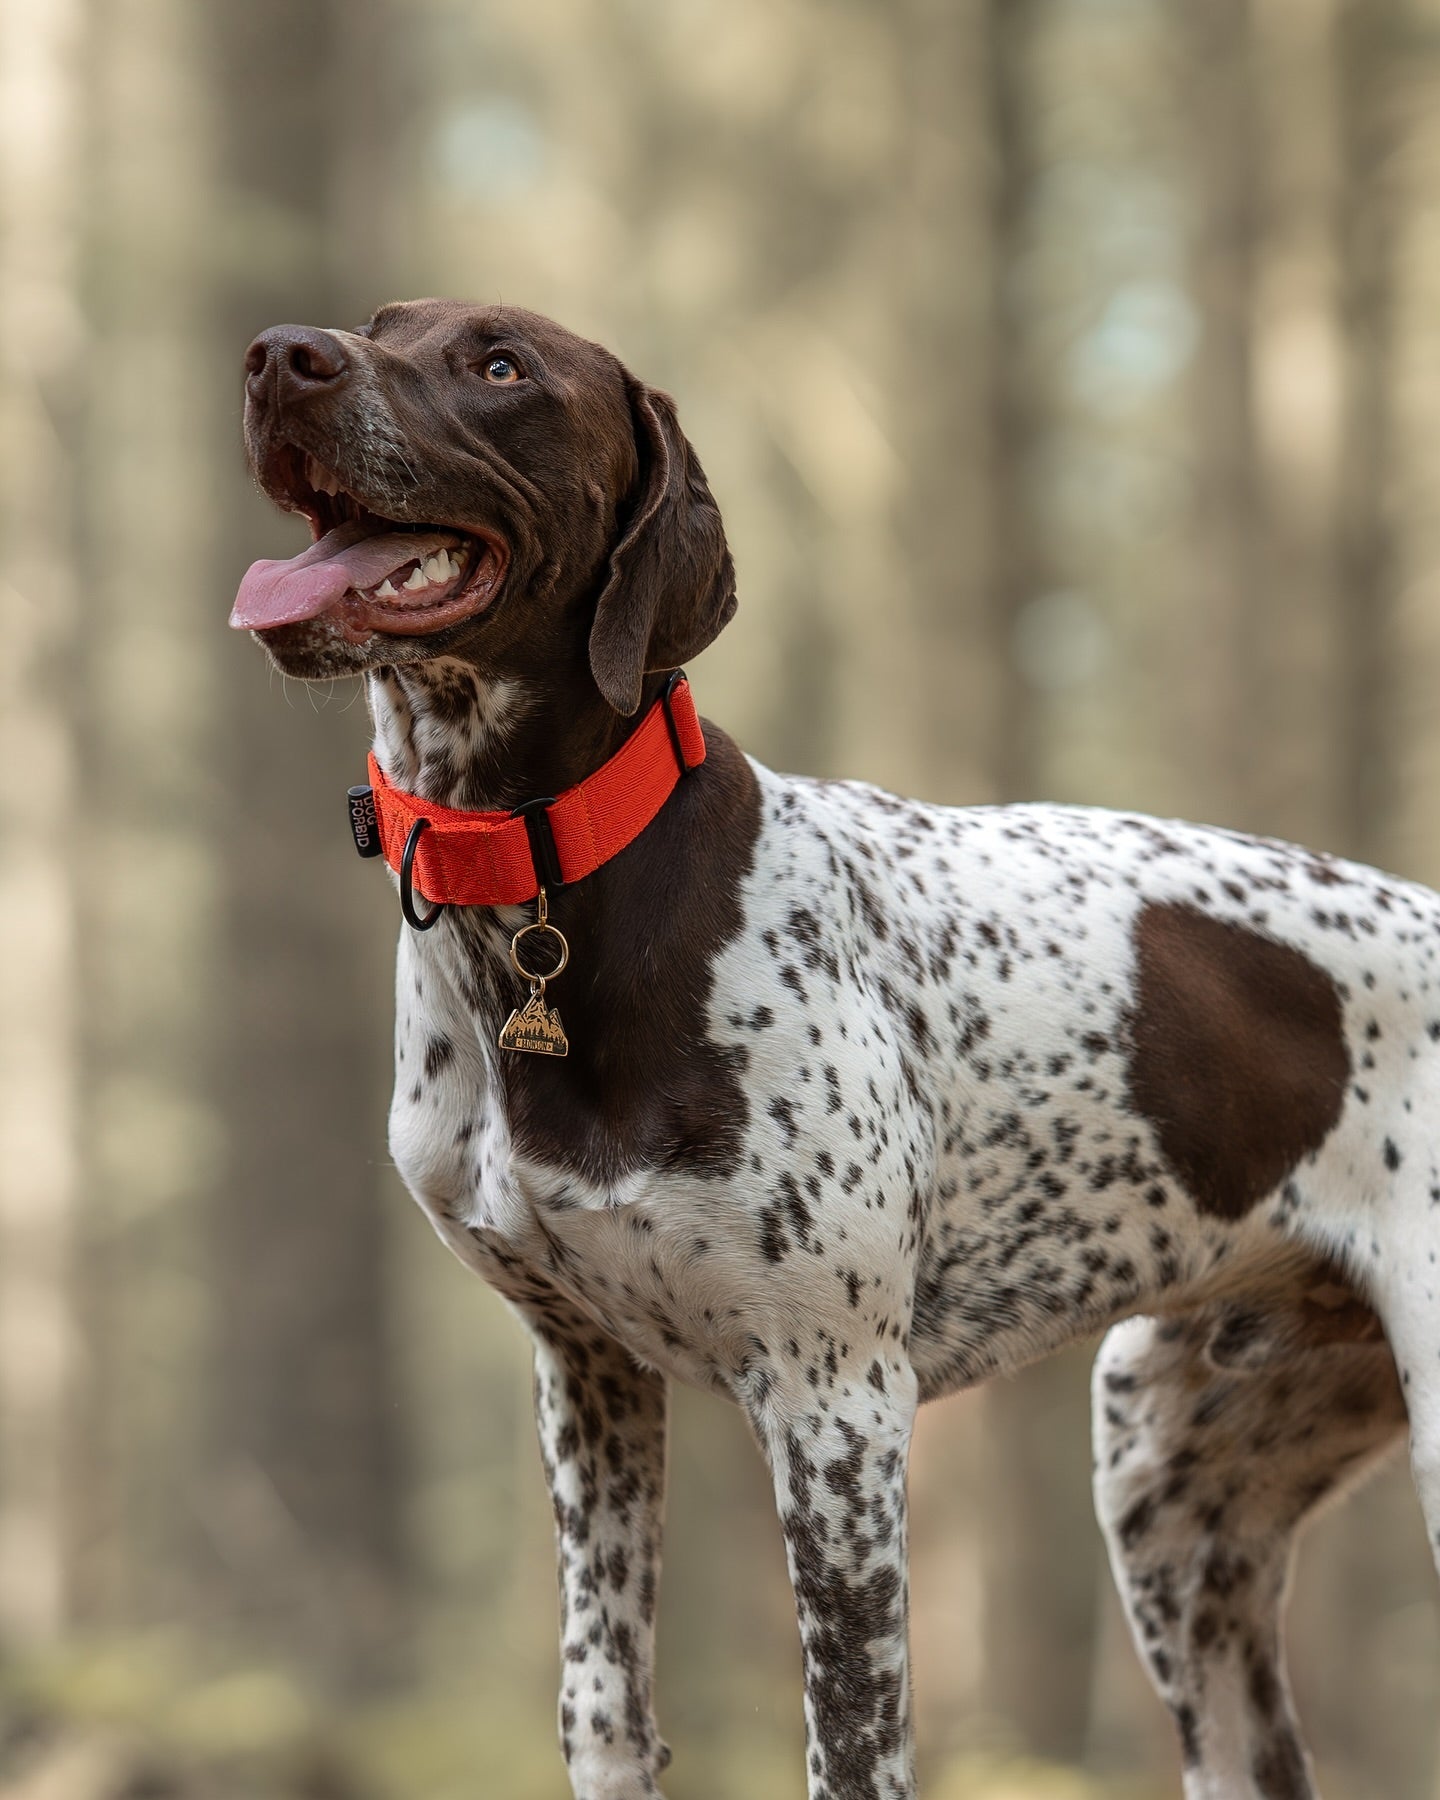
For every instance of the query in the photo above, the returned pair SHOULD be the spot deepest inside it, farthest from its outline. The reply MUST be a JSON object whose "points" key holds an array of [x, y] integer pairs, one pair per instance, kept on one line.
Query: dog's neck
{"points": [[644, 930], [451, 735]]}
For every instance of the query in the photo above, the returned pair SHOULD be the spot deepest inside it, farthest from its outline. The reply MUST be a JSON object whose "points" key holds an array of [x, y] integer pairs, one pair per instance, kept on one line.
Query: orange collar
{"points": [[503, 858]]}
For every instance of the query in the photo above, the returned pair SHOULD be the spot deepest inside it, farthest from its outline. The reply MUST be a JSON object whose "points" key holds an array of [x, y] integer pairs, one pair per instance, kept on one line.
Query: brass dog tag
{"points": [[535, 1027]]}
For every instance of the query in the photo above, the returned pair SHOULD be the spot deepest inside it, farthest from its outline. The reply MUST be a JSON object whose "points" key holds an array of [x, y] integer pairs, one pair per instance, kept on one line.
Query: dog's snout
{"points": [[293, 362]]}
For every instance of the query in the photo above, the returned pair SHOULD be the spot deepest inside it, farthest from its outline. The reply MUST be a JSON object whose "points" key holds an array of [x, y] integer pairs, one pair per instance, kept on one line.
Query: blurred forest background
{"points": [[1069, 372]]}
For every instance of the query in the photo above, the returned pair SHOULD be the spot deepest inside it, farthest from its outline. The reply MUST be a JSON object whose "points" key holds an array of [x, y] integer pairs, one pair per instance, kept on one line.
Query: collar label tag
{"points": [[364, 824]]}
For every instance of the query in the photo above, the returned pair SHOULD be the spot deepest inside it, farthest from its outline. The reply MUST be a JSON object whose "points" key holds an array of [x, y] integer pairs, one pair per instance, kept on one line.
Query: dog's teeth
{"points": [[323, 480], [387, 590], [433, 571], [416, 579]]}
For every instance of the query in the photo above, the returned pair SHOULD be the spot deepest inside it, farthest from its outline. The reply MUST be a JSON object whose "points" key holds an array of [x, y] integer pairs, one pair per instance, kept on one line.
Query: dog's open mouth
{"points": [[367, 572]]}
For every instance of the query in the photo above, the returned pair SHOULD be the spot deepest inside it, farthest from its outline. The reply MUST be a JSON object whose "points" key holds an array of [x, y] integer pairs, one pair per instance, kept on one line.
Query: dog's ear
{"points": [[671, 584]]}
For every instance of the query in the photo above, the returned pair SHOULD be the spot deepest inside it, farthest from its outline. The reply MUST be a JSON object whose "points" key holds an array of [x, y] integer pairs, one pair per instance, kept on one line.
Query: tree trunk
{"points": [[145, 685], [305, 1502], [41, 355], [1225, 639], [1018, 573], [1368, 35], [1296, 361], [1039, 1596], [962, 419]]}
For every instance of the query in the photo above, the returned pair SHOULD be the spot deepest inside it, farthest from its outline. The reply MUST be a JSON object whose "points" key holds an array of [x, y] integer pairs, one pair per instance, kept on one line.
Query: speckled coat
{"points": [[868, 1100]]}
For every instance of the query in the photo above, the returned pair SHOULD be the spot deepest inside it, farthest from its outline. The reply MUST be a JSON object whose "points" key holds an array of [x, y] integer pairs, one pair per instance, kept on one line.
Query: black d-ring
{"points": [[407, 892]]}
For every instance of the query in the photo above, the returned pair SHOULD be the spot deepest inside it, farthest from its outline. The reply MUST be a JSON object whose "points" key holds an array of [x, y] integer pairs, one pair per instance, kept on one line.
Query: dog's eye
{"points": [[501, 370]]}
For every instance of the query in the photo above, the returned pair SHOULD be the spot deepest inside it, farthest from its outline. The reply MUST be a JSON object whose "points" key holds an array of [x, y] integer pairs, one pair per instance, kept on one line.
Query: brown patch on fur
{"points": [[1238, 1055]]}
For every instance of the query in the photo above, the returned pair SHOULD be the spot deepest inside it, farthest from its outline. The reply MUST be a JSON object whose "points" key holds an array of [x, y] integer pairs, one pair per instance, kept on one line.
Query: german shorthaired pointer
{"points": [[860, 1100]]}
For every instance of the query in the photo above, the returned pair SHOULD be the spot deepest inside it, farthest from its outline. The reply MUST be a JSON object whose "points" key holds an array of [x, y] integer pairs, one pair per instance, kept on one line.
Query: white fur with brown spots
{"points": [[944, 1176], [869, 1100]]}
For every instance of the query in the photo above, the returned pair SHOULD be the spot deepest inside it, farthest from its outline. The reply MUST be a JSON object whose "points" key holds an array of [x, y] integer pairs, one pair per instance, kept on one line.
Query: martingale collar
{"points": [[454, 858]]}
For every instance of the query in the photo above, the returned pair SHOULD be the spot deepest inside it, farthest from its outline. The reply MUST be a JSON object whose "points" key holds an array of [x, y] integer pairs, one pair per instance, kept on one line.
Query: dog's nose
{"points": [[293, 362]]}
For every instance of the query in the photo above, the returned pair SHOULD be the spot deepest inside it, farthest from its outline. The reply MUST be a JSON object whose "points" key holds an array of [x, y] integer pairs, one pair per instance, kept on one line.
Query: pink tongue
{"points": [[351, 556]]}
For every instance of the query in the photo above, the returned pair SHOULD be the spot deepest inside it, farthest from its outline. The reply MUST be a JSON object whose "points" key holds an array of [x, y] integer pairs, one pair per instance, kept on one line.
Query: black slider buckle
{"points": [[543, 850], [666, 700]]}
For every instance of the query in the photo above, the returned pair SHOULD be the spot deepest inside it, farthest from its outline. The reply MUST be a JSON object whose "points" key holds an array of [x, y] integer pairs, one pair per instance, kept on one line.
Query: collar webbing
{"points": [[504, 858]]}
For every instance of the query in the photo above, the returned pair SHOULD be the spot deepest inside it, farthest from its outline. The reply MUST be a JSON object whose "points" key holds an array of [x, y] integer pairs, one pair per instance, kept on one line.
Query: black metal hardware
{"points": [[544, 852], [665, 700], [407, 891]]}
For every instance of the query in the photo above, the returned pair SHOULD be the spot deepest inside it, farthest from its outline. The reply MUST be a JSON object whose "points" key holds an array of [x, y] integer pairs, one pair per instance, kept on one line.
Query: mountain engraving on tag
{"points": [[535, 1027]]}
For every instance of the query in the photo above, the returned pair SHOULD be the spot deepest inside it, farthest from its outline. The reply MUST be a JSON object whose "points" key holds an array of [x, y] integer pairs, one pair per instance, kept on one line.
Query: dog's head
{"points": [[481, 483]]}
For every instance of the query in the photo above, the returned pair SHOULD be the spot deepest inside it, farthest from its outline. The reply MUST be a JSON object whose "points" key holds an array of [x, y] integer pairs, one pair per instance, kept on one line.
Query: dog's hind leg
{"points": [[1406, 1287], [837, 1439], [602, 1421], [1215, 1436]]}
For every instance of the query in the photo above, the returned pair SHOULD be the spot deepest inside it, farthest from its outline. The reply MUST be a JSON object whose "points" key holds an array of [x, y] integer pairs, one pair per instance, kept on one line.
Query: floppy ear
{"points": [[671, 585]]}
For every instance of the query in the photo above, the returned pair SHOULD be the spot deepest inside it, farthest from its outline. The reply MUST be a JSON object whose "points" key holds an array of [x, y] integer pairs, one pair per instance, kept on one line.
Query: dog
{"points": [[841, 1102]]}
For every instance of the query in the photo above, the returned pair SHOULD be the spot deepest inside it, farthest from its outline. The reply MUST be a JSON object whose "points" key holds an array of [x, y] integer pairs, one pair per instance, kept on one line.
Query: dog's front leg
{"points": [[839, 1451], [602, 1436]]}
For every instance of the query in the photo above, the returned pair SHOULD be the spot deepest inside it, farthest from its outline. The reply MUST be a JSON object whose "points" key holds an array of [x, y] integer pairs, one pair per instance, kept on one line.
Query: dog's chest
{"points": [[655, 1262], [652, 1258]]}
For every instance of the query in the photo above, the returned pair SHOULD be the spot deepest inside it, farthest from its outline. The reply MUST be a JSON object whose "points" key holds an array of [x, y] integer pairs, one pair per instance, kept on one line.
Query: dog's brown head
{"points": [[481, 483]]}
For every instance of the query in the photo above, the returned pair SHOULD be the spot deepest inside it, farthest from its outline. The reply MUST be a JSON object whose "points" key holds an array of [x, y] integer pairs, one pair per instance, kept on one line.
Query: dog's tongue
{"points": [[301, 587]]}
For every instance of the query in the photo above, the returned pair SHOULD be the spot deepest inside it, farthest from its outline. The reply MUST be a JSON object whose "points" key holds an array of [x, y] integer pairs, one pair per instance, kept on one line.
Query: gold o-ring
{"points": [[525, 931]]}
